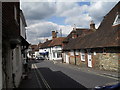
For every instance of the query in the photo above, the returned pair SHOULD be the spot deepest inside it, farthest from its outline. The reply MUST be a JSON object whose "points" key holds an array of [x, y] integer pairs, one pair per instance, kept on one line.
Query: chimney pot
{"points": [[92, 26], [54, 34], [46, 40]]}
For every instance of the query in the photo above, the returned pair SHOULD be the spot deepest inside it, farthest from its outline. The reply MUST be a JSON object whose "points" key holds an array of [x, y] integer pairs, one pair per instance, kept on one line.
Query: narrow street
{"points": [[48, 74]]}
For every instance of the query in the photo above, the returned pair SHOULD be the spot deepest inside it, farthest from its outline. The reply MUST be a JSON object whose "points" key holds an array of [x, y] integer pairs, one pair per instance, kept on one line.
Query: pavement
{"points": [[30, 82]]}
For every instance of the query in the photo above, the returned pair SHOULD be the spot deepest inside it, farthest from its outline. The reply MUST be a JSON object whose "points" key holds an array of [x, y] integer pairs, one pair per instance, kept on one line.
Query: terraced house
{"points": [[96, 48]]}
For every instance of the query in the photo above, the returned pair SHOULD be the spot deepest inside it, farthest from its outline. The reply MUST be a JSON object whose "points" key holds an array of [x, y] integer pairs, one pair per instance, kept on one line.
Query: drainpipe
{"points": [[75, 57]]}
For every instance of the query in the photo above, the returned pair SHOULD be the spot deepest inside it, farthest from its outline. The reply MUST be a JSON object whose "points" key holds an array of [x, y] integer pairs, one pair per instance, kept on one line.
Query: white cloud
{"points": [[38, 29], [42, 30], [38, 10], [99, 9]]}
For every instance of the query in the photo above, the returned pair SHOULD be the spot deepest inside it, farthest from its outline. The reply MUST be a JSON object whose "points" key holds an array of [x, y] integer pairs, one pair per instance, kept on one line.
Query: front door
{"points": [[89, 60]]}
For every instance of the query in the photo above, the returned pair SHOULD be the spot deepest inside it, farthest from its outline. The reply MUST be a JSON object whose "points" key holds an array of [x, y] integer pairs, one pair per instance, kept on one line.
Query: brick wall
{"points": [[72, 60]]}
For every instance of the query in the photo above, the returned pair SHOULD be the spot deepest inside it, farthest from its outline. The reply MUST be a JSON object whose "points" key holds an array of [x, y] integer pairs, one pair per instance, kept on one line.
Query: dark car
{"points": [[108, 87], [40, 58]]}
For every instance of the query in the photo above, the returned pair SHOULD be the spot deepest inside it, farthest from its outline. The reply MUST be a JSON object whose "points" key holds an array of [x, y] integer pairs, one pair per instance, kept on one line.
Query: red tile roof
{"points": [[57, 41], [54, 42]]}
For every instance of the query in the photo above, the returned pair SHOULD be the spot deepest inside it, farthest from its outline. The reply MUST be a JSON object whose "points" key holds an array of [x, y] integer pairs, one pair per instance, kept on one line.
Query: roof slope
{"points": [[72, 43], [56, 41], [45, 44]]}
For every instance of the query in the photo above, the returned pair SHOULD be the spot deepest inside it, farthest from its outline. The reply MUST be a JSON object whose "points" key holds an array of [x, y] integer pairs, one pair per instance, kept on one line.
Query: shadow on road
{"points": [[57, 79]]}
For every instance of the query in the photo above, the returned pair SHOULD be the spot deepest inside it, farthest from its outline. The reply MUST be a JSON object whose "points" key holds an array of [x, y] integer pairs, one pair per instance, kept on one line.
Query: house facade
{"points": [[52, 49], [99, 49], [13, 44], [55, 49]]}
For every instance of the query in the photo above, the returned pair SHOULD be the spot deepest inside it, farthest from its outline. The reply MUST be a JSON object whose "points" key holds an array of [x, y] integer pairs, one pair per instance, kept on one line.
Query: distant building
{"points": [[52, 49], [31, 51]]}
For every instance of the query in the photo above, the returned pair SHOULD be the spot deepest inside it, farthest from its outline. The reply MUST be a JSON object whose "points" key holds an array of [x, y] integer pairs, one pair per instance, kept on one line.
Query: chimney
{"points": [[74, 27], [46, 40], [54, 34], [92, 26]]}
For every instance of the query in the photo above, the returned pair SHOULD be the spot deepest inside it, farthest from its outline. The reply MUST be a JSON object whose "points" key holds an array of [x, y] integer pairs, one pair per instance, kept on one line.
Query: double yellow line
{"points": [[41, 76]]}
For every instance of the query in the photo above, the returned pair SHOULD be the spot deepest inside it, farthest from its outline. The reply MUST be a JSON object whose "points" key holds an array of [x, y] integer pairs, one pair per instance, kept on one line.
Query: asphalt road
{"points": [[55, 75]]}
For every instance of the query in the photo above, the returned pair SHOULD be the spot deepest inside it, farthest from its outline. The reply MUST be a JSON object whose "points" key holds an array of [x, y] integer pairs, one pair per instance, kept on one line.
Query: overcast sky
{"points": [[44, 17]]}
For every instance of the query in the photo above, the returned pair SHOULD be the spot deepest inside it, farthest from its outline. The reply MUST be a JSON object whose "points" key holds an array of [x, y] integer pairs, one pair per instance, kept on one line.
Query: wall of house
{"points": [[106, 61], [17, 65], [7, 65], [102, 60], [71, 57], [81, 63], [1, 46], [65, 57], [54, 52], [72, 60], [76, 55]]}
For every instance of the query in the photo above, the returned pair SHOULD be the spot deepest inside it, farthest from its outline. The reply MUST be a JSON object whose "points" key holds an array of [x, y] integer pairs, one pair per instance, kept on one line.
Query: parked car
{"points": [[40, 58], [108, 87]]}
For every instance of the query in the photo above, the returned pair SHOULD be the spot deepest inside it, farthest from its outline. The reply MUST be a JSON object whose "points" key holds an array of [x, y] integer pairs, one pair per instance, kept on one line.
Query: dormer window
{"points": [[117, 20]]}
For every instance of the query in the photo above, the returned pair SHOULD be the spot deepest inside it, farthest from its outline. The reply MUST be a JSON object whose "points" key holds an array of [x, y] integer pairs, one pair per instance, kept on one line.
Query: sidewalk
{"points": [[30, 82], [111, 74]]}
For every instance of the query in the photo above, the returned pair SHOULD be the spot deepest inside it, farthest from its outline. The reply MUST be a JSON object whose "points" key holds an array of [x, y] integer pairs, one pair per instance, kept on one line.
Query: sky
{"points": [[43, 17]]}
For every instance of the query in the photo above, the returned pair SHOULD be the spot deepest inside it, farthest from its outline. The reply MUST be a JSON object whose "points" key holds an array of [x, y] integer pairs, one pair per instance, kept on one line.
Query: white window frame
{"points": [[95, 53], [77, 52], [82, 53], [116, 22]]}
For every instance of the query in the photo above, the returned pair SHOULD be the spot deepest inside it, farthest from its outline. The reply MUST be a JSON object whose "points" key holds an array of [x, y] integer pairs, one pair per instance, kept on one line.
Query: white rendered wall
{"points": [[55, 49]]}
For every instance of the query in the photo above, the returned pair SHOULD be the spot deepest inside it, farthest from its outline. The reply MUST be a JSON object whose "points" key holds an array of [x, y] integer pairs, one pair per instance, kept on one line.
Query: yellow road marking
{"points": [[43, 79]]}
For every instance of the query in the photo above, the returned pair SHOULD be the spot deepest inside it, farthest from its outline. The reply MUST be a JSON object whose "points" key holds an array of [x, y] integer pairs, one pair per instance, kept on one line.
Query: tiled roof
{"points": [[53, 42], [45, 44], [72, 43], [56, 41]]}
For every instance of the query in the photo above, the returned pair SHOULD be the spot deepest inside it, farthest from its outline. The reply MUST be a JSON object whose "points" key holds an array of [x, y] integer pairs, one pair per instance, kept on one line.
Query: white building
{"points": [[52, 49]]}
